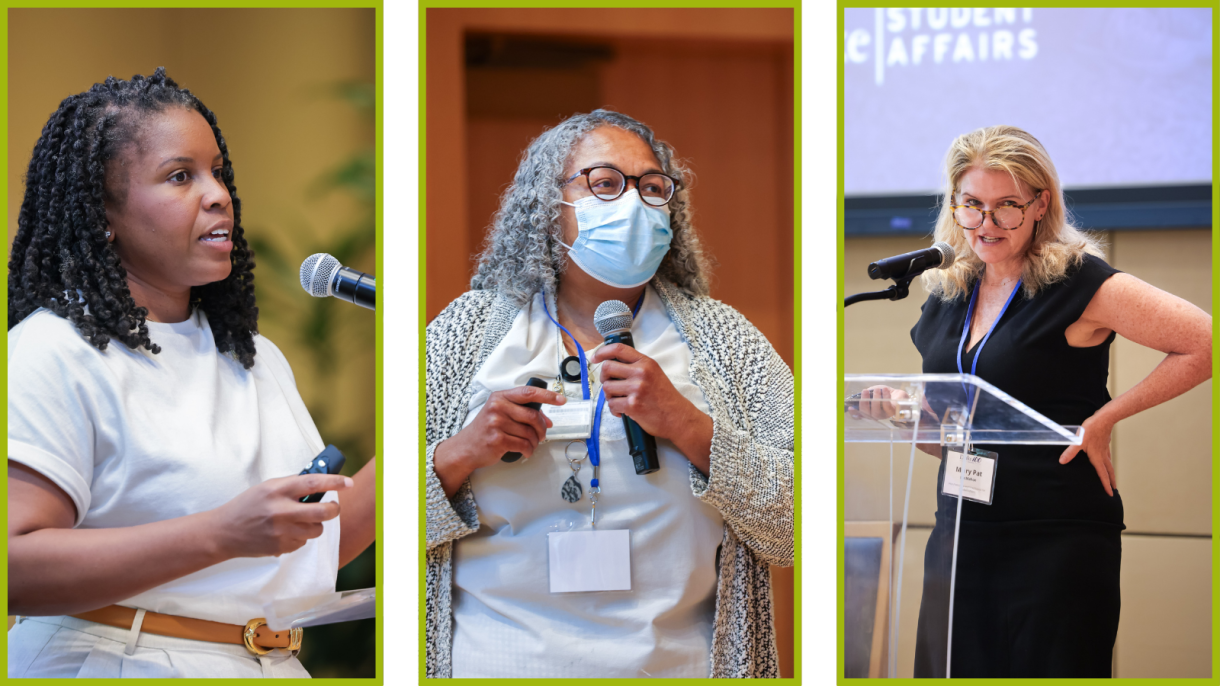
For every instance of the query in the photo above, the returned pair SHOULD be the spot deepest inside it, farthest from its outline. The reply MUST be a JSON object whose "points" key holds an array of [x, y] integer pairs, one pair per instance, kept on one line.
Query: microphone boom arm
{"points": [[898, 291]]}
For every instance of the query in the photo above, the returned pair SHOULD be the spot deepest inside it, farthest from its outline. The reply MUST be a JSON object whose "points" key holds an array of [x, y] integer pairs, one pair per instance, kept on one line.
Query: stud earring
{"points": [[107, 234]]}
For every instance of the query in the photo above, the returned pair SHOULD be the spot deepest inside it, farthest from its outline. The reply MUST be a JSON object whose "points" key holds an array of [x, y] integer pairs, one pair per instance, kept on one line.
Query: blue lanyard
{"points": [[966, 329], [591, 443]]}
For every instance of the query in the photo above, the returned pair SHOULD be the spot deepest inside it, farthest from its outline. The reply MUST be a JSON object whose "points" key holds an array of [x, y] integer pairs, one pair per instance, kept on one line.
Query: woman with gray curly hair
{"points": [[683, 434]]}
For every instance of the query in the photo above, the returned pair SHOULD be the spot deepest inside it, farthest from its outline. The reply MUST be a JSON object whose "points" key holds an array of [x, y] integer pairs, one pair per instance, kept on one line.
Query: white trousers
{"points": [[67, 647]]}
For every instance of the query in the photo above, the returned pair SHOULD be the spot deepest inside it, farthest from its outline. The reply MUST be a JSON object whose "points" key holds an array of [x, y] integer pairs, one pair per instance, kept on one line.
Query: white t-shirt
{"points": [[507, 622], [132, 438]]}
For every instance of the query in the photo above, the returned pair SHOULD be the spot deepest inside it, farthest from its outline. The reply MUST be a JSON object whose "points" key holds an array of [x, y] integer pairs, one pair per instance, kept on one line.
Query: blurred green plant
{"points": [[324, 327], [331, 330]]}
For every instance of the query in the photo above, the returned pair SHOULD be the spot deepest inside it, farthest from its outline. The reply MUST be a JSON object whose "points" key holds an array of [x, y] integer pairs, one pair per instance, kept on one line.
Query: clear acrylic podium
{"points": [[890, 504]]}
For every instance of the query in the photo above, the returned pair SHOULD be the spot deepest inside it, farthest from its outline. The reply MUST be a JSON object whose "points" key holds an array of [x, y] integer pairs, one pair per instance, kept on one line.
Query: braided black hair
{"points": [[61, 259]]}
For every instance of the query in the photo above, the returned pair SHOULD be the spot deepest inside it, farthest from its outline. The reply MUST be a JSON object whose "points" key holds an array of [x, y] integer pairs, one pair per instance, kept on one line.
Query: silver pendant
{"points": [[571, 490]]}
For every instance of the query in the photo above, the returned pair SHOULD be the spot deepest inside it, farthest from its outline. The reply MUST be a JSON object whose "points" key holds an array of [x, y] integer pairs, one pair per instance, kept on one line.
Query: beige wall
{"points": [[1165, 625]]}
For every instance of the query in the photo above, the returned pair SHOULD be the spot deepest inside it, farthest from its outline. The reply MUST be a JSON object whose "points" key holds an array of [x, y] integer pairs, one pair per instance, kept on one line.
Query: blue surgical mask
{"points": [[622, 242]]}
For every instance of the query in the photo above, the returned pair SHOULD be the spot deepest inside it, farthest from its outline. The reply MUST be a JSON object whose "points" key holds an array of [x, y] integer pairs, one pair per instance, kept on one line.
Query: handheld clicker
{"points": [[329, 461], [536, 383]]}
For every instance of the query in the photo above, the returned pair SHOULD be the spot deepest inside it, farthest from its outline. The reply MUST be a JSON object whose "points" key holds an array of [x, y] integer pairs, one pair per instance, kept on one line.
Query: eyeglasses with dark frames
{"points": [[608, 183]]}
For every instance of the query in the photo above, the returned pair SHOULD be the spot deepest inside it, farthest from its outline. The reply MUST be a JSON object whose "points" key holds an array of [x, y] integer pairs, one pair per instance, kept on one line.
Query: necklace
{"points": [[594, 377], [561, 350], [1000, 282]]}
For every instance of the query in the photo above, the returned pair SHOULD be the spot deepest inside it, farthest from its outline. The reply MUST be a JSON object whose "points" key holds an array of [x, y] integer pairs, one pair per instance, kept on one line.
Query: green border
{"points": [[1215, 388], [797, 330], [1215, 392], [422, 304], [795, 5], [379, 337], [4, 286], [840, 515], [1215, 628], [375, 5]]}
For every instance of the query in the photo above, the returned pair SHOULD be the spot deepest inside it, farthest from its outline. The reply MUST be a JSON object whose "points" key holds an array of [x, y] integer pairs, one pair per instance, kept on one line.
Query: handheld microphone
{"points": [[322, 276], [939, 256], [613, 321]]}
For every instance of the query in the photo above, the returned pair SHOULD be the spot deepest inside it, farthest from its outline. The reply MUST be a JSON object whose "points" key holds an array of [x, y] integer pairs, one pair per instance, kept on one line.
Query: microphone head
{"points": [[317, 272], [947, 254], [612, 316]]}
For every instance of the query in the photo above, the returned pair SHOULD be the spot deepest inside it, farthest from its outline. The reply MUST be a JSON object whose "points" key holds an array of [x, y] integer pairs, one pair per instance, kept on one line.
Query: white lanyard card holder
{"points": [[973, 474], [571, 421], [589, 560]]}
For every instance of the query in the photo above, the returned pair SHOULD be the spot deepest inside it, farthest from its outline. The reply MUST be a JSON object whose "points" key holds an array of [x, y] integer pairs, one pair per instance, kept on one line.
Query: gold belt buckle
{"points": [[295, 635]]}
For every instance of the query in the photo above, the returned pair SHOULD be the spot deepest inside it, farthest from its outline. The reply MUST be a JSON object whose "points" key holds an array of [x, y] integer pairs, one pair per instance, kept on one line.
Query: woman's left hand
{"points": [[636, 386], [1096, 445]]}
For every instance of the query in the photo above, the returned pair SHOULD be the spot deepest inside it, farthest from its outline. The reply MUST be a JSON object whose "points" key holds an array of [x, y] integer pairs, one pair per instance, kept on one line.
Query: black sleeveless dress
{"points": [[1037, 570]]}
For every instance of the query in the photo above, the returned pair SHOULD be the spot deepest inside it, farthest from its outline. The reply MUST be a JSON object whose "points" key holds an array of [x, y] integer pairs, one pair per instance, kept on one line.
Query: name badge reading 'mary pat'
{"points": [[971, 474]]}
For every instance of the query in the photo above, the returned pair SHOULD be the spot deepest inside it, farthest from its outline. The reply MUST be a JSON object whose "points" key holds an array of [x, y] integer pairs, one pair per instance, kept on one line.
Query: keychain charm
{"points": [[571, 490]]}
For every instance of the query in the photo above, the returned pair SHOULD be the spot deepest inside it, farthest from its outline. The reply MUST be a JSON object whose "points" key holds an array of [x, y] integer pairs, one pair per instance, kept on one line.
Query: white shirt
{"points": [[132, 438], [507, 622]]}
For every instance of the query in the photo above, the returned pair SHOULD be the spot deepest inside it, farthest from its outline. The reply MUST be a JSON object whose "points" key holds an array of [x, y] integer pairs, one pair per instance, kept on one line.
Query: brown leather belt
{"points": [[255, 635]]}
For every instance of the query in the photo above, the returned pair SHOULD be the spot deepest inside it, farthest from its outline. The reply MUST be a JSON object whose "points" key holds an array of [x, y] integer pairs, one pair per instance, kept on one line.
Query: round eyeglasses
{"points": [[1007, 217], [608, 183]]}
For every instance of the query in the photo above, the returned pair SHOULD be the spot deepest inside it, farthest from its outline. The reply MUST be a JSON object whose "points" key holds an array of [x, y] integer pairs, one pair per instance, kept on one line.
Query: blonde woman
{"points": [[1031, 307]]}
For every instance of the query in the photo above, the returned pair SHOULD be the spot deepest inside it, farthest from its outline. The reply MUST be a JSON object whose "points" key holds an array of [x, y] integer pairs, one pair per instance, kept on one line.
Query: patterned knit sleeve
{"points": [[750, 479], [451, 341]]}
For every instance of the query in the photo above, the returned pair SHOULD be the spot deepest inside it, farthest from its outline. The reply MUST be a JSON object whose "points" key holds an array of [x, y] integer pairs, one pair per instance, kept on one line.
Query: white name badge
{"points": [[572, 420], [590, 560], [974, 472]]}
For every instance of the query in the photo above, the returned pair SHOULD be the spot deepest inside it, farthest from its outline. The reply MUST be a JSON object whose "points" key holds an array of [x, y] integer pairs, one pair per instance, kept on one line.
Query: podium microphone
{"points": [[322, 276], [903, 269], [939, 256], [613, 321]]}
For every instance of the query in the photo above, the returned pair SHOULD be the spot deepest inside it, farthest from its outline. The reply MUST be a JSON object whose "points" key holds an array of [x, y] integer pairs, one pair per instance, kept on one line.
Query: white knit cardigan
{"points": [[749, 391]]}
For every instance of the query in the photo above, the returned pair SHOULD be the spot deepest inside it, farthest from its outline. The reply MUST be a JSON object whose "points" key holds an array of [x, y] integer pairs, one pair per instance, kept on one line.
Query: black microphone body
{"points": [[355, 287], [910, 264], [536, 383], [641, 444]]}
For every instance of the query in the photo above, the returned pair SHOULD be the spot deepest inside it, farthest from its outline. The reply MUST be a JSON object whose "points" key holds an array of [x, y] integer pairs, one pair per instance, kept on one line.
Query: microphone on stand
{"points": [[903, 269], [939, 256], [322, 276], [613, 321]]}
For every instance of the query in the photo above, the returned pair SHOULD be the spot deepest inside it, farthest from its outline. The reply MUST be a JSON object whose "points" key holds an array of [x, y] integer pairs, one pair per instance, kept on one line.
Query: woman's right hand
{"points": [[878, 402], [269, 519], [503, 425], [881, 403]]}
